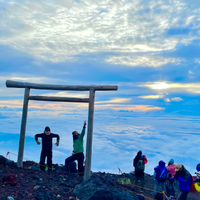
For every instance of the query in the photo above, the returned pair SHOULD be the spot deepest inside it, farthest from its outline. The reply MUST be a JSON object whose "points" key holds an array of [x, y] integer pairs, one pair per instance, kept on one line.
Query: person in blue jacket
{"points": [[160, 176], [185, 181]]}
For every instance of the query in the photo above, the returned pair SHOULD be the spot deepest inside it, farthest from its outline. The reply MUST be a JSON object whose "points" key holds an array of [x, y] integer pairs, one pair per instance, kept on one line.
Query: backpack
{"points": [[162, 175], [192, 187], [140, 165]]}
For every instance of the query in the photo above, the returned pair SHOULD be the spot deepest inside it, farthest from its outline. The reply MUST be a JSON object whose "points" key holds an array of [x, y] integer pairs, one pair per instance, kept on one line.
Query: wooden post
{"points": [[17, 84], [87, 172], [23, 128], [60, 99]]}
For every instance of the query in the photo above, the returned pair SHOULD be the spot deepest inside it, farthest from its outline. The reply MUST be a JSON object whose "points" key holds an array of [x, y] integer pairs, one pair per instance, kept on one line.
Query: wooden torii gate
{"points": [[90, 100]]}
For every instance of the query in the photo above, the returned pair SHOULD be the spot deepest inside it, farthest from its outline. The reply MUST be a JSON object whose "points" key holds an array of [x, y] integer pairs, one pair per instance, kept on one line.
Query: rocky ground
{"points": [[34, 184]]}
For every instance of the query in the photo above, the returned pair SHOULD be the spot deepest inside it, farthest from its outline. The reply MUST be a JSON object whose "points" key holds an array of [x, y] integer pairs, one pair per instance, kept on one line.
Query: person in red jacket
{"points": [[139, 164]]}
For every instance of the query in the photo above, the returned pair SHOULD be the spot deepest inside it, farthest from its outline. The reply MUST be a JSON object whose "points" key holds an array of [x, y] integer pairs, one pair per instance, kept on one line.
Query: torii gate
{"points": [[90, 100]]}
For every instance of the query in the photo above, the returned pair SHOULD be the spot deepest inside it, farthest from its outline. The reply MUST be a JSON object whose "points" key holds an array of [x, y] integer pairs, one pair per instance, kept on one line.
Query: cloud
{"points": [[173, 87], [59, 153], [151, 96], [197, 61], [115, 100], [143, 61], [135, 108], [13, 104], [43, 105], [58, 31], [66, 94], [176, 99], [161, 97], [141, 131]]}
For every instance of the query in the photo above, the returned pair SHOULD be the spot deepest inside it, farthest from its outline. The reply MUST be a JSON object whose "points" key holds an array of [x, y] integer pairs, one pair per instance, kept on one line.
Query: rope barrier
{"points": [[137, 193], [163, 192]]}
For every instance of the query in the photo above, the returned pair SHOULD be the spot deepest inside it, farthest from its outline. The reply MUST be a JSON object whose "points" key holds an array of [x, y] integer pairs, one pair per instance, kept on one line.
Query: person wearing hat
{"points": [[47, 137], [77, 153], [170, 183], [185, 181], [139, 164]]}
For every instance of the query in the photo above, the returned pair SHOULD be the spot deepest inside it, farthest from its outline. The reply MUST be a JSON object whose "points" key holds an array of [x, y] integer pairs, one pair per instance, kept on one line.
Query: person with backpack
{"points": [[47, 137], [77, 153], [160, 176], [139, 164], [170, 183], [185, 181]]}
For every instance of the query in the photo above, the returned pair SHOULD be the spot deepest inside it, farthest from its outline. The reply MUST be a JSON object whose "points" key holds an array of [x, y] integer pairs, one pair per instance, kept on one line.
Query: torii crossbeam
{"points": [[90, 100]]}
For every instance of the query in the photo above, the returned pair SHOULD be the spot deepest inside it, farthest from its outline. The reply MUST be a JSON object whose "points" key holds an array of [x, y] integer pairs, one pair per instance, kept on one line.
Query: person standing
{"points": [[47, 137], [78, 149], [139, 165], [170, 183], [185, 181], [160, 176]]}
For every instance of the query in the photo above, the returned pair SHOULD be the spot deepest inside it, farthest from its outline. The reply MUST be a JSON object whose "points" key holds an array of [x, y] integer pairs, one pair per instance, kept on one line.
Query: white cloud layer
{"points": [[143, 61], [57, 31], [117, 137]]}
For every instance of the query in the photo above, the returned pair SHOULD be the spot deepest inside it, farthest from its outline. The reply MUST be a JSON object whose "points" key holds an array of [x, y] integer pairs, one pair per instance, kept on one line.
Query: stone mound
{"points": [[102, 186]]}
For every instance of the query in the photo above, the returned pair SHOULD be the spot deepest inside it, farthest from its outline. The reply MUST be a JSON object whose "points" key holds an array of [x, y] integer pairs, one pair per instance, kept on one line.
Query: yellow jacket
{"points": [[197, 186]]}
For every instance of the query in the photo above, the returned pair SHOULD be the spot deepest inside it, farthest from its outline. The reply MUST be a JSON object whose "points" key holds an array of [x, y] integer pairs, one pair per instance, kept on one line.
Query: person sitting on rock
{"points": [[160, 176], [47, 137], [139, 164], [78, 149]]}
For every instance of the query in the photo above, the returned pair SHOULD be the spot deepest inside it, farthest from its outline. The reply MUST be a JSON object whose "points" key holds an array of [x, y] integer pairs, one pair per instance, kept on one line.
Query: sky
{"points": [[149, 49]]}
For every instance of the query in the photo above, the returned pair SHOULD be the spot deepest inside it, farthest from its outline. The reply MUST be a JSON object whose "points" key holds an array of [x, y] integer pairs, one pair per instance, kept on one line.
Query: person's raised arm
{"points": [[83, 130]]}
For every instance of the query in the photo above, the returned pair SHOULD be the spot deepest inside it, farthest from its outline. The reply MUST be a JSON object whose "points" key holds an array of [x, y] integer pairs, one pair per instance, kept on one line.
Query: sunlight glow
{"points": [[160, 86]]}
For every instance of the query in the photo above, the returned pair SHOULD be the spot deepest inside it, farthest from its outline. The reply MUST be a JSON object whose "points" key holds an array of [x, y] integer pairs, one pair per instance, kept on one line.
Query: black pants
{"points": [[79, 157], [183, 195], [44, 154]]}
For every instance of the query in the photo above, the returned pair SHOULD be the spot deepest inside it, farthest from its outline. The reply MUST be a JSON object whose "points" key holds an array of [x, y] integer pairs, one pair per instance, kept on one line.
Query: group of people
{"points": [[166, 177], [77, 153]]}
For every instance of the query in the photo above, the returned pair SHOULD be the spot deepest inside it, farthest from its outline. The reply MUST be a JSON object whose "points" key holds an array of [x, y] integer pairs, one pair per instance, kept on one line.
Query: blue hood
{"points": [[161, 164]]}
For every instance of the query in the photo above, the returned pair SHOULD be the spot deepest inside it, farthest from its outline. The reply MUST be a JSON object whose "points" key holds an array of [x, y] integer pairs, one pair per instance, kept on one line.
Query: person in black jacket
{"points": [[139, 164], [47, 137], [185, 181]]}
